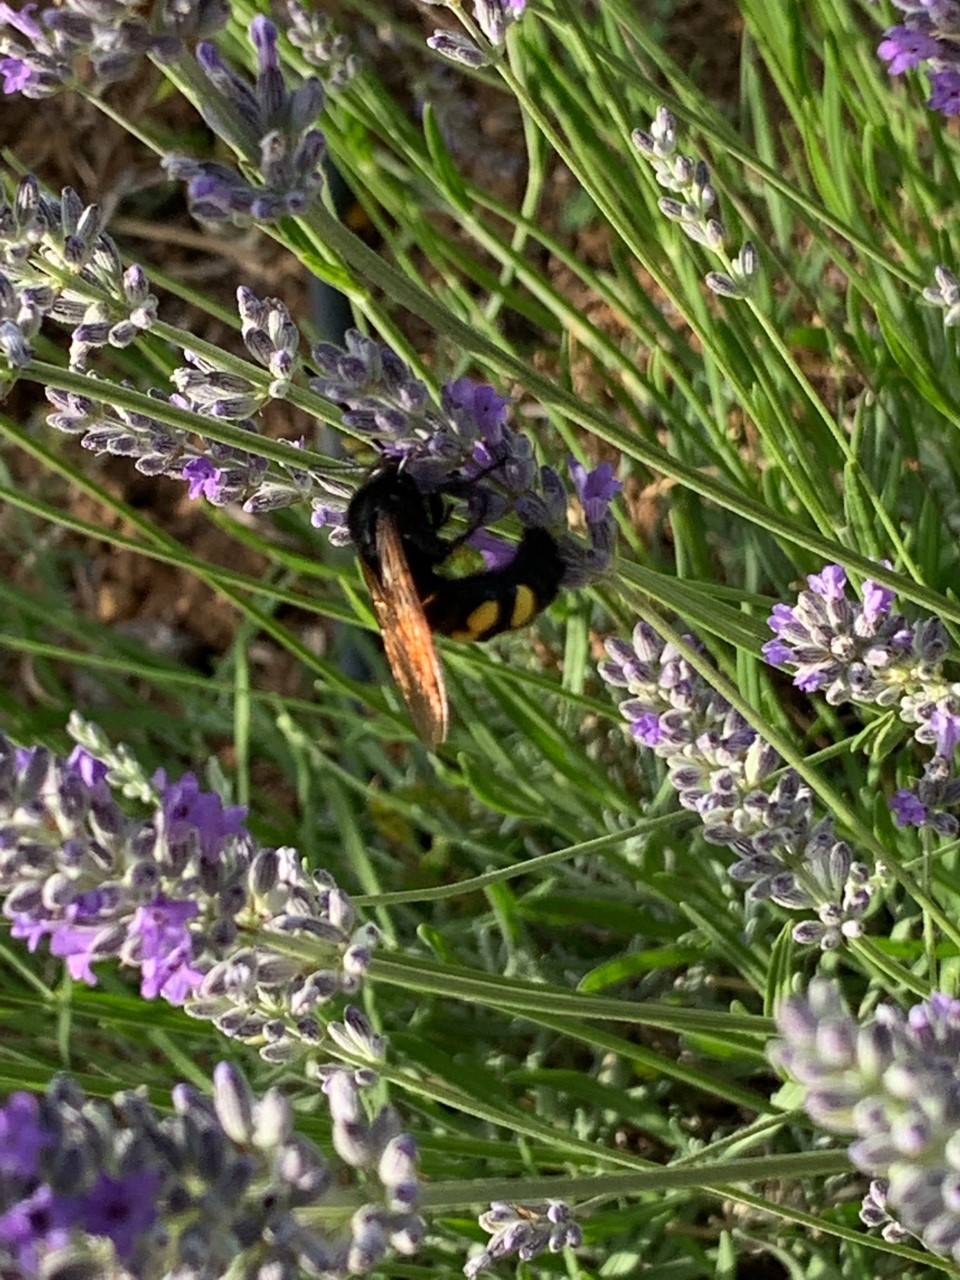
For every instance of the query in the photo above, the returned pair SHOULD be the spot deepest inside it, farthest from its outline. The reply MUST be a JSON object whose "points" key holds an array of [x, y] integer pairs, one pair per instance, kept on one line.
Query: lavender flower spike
{"points": [[861, 651], [892, 1085], [40, 57], [856, 651], [927, 36], [226, 1181], [309, 31], [54, 256], [270, 125], [691, 204], [722, 771], [183, 893], [524, 1231], [35, 62]]}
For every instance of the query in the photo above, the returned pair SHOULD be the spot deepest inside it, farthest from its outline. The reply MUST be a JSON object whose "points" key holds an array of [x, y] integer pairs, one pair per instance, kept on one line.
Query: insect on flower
{"points": [[396, 530]]}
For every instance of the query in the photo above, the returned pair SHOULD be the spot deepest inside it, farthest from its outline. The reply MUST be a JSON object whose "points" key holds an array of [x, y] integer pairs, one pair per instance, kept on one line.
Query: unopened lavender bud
{"points": [[273, 1117], [458, 48], [675, 210], [748, 260], [491, 20], [398, 1165], [644, 142], [356, 1036], [343, 1096], [713, 234], [722, 284]]}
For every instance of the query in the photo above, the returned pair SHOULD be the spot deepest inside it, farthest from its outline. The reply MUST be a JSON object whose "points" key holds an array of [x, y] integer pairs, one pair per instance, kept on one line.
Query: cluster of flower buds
{"points": [[928, 36], [487, 31], [243, 935], [221, 473], [57, 262], [309, 31], [218, 1186], [41, 58], [269, 124], [691, 204], [723, 771], [945, 294], [523, 1231], [893, 1083], [861, 651]]}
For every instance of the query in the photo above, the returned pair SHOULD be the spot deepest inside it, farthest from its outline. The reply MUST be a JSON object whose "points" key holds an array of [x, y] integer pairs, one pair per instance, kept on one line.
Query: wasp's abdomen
{"points": [[483, 605]]}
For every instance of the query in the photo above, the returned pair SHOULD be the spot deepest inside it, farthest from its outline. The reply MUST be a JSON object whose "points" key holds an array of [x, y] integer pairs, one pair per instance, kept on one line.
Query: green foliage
{"points": [[575, 994]]}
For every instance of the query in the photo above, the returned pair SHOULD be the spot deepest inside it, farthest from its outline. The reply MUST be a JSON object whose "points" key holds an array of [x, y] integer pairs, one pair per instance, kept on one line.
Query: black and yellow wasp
{"points": [[397, 532]]}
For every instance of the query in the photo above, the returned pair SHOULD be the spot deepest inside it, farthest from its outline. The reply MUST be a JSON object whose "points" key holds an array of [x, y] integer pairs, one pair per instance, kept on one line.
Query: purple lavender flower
{"points": [[159, 936], [184, 894], [121, 1210], [945, 91], [723, 772], [929, 802], [908, 809], [595, 489], [858, 652], [114, 39], [34, 62], [928, 36], [524, 1231], [203, 478], [30, 1228], [892, 1084], [225, 1179], [22, 1137], [904, 47], [944, 726], [271, 126], [864, 652]]}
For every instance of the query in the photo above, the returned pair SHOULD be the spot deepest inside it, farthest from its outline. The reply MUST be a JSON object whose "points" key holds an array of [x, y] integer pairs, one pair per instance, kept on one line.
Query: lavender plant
{"points": [[889, 1081], [184, 894], [221, 1184], [865, 653], [725, 773], [532, 341], [465, 440], [927, 36]]}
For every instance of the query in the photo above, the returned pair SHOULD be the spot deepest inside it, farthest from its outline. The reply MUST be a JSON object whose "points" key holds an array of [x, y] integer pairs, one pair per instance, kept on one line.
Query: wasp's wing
{"points": [[407, 640]]}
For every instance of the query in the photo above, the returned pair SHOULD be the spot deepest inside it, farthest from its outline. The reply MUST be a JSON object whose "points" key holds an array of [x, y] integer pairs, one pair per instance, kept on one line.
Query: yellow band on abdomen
{"points": [[524, 607]]}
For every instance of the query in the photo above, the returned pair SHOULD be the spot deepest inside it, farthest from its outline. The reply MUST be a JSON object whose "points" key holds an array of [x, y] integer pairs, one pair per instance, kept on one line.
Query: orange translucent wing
{"points": [[407, 640]]}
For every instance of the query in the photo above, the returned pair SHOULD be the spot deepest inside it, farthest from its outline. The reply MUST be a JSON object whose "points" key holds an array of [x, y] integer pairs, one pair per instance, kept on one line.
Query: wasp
{"points": [[397, 532]]}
